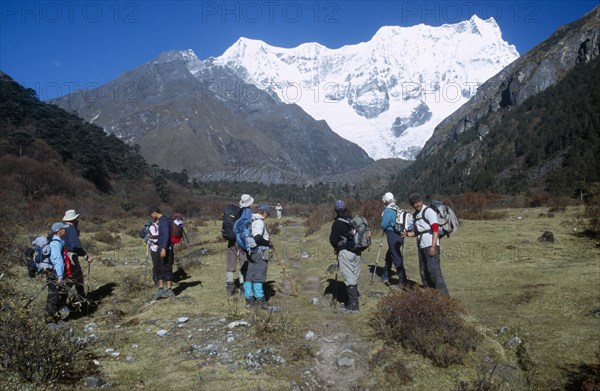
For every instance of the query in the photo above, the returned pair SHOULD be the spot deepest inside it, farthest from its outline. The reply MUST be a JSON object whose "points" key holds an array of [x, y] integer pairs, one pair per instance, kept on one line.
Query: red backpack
{"points": [[176, 228]]}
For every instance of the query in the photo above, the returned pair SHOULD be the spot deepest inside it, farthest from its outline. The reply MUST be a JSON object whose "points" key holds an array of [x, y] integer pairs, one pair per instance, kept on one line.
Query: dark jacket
{"points": [[164, 233], [340, 231], [72, 242]]}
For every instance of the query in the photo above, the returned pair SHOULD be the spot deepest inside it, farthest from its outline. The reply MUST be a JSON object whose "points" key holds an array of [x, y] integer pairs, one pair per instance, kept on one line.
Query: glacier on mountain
{"points": [[387, 94]]}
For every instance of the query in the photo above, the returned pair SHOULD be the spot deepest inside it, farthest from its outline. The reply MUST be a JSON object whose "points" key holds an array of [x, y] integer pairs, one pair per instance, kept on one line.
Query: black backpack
{"points": [[230, 215]]}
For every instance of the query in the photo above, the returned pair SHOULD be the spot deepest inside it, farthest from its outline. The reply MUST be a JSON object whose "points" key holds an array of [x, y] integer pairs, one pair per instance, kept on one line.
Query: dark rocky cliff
{"points": [[540, 68]]}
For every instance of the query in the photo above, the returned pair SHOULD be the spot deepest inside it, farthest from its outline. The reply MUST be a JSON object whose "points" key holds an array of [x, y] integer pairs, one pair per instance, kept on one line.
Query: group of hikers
{"points": [[250, 256], [252, 262], [423, 225]]}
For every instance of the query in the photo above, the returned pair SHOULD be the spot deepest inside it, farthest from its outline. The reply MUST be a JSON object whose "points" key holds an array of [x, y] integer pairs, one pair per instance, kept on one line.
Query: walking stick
{"points": [[36, 295], [334, 295], [377, 259], [87, 293], [146, 266], [284, 272]]}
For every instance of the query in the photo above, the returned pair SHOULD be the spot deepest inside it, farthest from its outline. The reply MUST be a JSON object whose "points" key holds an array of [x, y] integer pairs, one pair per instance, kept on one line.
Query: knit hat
{"points": [[339, 206], [414, 197], [246, 201], [70, 215], [387, 197]]}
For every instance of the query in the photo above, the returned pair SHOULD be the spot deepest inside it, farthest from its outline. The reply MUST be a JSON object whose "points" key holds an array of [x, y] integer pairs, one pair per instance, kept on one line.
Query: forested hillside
{"points": [[95, 155]]}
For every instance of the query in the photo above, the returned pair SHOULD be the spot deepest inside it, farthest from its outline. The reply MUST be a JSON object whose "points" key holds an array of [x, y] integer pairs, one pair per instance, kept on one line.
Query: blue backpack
{"points": [[38, 256], [242, 228]]}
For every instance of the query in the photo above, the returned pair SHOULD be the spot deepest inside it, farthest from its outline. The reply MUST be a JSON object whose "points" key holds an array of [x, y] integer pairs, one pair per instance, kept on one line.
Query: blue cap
{"points": [[339, 206], [57, 226], [265, 207]]}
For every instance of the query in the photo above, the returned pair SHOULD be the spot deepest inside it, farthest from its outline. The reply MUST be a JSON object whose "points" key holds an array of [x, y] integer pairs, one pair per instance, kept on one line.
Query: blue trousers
{"points": [[394, 256]]}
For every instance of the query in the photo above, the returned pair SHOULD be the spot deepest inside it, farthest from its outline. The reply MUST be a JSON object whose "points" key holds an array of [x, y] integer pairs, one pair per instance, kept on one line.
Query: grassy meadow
{"points": [[509, 283]]}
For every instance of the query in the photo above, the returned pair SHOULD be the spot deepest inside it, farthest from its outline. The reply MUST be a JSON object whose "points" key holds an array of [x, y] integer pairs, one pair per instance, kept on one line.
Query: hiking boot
{"points": [[348, 309], [250, 303], [168, 293], [262, 304], [385, 281], [159, 294], [352, 305], [64, 312], [230, 288]]}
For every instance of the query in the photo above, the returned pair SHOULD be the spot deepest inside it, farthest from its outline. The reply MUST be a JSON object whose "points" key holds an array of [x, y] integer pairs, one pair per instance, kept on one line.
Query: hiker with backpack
{"points": [[164, 261], [342, 240], [426, 229], [151, 239], [235, 256], [259, 252], [394, 223], [57, 275], [75, 251]]}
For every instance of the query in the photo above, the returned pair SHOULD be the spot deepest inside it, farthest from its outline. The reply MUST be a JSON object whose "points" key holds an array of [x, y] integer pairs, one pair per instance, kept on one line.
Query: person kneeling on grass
{"points": [[256, 274]]}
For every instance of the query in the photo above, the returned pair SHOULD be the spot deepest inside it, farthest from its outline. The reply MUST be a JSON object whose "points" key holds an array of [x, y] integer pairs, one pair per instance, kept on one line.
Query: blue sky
{"points": [[57, 46]]}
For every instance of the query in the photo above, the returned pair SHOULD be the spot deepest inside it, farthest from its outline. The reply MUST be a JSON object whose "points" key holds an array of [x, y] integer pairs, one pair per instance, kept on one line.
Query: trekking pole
{"points": [[146, 266], [377, 259], [36, 295], [334, 295], [87, 293], [285, 272]]}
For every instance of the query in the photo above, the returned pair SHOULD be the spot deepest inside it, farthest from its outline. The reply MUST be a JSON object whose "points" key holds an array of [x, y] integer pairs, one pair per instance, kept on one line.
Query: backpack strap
{"points": [[424, 219], [344, 220]]}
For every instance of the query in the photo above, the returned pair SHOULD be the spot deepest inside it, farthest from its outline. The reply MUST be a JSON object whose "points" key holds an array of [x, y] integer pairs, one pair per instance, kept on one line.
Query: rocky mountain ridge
{"points": [[214, 126], [387, 94]]}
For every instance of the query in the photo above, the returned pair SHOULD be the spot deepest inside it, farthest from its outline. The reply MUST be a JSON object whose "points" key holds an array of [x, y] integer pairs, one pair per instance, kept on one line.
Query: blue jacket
{"points": [[388, 218], [246, 213], [56, 256]]}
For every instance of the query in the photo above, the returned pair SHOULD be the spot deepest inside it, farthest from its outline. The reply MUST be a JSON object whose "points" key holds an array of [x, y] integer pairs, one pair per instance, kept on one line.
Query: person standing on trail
{"points": [[75, 251], [259, 260], [236, 257], [165, 259], [348, 261], [278, 209], [394, 255], [426, 230], [55, 279]]}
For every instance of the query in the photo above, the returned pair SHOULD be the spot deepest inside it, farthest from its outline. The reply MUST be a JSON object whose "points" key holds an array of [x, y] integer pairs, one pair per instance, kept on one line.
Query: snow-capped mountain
{"points": [[387, 94]]}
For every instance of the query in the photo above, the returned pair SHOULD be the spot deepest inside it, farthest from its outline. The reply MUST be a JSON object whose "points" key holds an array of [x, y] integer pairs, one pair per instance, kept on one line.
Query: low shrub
{"points": [[274, 327], [317, 216], [426, 322], [585, 377], [10, 253], [107, 238], [134, 283], [32, 352], [477, 206], [592, 209]]}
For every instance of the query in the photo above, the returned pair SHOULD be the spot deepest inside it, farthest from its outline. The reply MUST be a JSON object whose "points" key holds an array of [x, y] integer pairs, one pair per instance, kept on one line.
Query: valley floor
{"points": [[510, 283]]}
